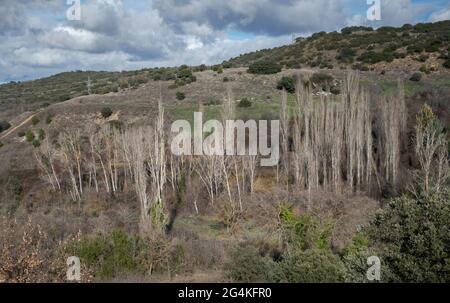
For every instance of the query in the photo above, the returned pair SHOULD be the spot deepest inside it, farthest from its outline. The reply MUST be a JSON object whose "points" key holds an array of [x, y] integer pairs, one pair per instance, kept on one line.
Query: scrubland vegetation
{"points": [[363, 169], [133, 211]]}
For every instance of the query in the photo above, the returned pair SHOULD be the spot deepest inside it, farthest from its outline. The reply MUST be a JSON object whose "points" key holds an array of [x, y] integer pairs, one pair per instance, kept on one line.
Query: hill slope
{"points": [[364, 48], [423, 47]]}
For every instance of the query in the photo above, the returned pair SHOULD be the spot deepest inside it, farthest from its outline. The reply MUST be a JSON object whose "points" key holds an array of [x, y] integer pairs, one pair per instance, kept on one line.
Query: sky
{"points": [[38, 39]]}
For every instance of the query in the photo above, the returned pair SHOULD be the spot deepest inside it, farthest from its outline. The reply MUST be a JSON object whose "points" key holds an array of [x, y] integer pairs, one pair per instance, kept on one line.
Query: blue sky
{"points": [[37, 39]]}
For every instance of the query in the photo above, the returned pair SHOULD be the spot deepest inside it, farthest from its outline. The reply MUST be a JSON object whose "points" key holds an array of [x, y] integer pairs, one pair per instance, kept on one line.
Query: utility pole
{"points": [[89, 85]]}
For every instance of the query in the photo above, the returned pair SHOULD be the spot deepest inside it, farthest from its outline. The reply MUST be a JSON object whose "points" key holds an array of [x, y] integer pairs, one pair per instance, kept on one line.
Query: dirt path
{"points": [[10, 131]]}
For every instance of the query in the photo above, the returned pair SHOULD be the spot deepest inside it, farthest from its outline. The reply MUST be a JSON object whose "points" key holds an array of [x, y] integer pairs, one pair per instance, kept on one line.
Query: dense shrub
{"points": [[115, 254], [264, 68], [307, 255], [29, 135], [414, 234], [424, 69], [248, 265], [287, 83], [245, 103], [4, 125], [304, 231], [372, 57], [349, 30], [48, 119], [422, 58], [416, 77], [181, 96], [361, 67], [335, 90], [185, 73], [106, 112], [109, 255], [36, 143], [309, 266], [35, 120], [41, 134], [202, 68], [227, 64], [346, 55], [322, 80], [447, 64]]}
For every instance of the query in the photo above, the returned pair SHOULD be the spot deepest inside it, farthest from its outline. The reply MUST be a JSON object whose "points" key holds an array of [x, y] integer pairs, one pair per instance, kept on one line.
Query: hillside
{"points": [[363, 48], [87, 167], [422, 47]]}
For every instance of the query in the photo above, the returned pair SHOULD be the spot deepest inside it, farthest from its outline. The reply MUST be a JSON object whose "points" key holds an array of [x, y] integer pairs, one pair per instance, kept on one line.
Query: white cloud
{"points": [[441, 15], [70, 38], [269, 17], [39, 58], [399, 12], [36, 40]]}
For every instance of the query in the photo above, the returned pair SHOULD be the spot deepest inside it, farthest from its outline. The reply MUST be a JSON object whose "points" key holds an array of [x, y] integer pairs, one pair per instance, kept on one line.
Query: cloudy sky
{"points": [[37, 38]]}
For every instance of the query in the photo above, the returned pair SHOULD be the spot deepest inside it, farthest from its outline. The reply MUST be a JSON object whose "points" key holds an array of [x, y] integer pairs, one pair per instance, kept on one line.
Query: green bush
{"points": [[346, 55], [36, 143], [1, 144], [117, 254], [416, 77], [422, 58], [307, 257], [248, 265], [109, 255], [185, 73], [287, 83], [202, 68], [244, 103], [372, 57], [35, 120], [413, 238], [106, 112], [29, 135], [447, 63], [322, 80], [41, 134], [264, 68], [227, 64], [181, 96], [4, 125], [361, 67], [310, 266], [48, 119], [304, 231]]}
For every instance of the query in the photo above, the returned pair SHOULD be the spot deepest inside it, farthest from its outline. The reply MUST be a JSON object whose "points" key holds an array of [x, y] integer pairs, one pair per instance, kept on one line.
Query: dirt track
{"points": [[10, 131]]}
